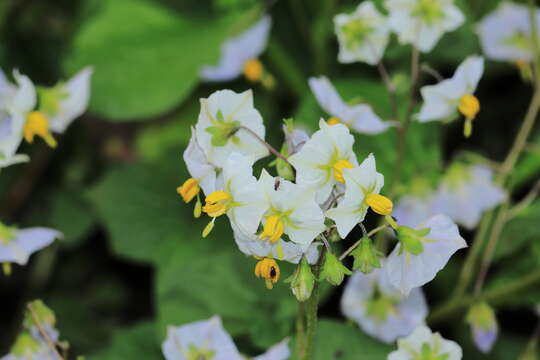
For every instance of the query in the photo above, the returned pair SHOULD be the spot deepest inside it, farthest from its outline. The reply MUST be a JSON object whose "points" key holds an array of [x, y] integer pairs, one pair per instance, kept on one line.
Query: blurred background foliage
{"points": [[133, 261]]}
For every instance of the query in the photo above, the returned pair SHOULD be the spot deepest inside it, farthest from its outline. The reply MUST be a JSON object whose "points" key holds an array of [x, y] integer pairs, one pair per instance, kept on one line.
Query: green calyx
{"points": [[199, 354], [519, 41], [7, 234], [430, 353], [302, 281], [355, 32], [481, 315], [457, 174], [222, 131], [51, 98], [333, 270], [25, 345], [380, 306], [366, 256], [412, 239], [429, 10], [42, 314]]}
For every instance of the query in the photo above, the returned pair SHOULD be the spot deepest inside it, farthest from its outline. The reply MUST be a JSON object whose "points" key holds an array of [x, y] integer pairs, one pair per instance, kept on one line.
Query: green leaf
{"points": [[336, 340], [528, 167], [136, 342], [147, 65], [72, 216]]}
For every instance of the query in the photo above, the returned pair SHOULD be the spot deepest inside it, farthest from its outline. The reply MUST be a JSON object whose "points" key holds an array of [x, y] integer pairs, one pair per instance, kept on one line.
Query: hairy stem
{"points": [[312, 309], [300, 331]]}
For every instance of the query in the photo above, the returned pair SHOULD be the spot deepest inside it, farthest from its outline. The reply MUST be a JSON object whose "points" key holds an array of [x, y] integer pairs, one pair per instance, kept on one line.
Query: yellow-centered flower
{"points": [[38, 124], [189, 189], [469, 106], [216, 203], [338, 169], [380, 204], [333, 121], [269, 270], [273, 228], [253, 70]]}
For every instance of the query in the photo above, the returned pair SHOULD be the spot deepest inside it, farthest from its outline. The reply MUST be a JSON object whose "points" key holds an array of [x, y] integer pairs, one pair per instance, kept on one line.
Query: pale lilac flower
{"points": [[16, 245], [423, 344]]}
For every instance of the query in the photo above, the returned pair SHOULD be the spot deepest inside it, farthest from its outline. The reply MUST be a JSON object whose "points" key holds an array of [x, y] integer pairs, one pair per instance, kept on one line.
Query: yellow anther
{"points": [[333, 121], [253, 70], [38, 124], [469, 106], [380, 204], [338, 169], [273, 228], [208, 228], [189, 189], [215, 205], [268, 269]]}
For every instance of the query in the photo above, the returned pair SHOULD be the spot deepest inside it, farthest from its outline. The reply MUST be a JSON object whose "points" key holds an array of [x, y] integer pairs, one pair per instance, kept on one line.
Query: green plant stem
{"points": [[288, 71], [353, 246], [312, 309], [300, 331], [494, 296]]}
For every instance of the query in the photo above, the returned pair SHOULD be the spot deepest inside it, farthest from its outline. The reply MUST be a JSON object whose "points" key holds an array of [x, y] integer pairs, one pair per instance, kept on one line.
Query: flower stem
{"points": [[312, 309], [267, 145], [353, 246], [43, 333], [300, 331]]}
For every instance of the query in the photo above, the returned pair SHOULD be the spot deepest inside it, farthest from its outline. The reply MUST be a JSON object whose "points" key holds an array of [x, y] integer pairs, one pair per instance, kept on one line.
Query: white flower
{"points": [[422, 22], [466, 193], [422, 252], [505, 34], [254, 245], [442, 101], [66, 102], [15, 102], [423, 344], [218, 131], [381, 310], [411, 210], [294, 138], [362, 35], [358, 117], [292, 210], [280, 351], [237, 51], [16, 245], [360, 183], [241, 197], [320, 163], [206, 339], [198, 166]]}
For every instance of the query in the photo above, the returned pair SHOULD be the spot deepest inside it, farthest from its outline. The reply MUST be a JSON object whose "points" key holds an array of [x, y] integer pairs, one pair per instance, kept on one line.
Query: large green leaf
{"points": [[146, 57], [137, 342], [70, 215], [340, 341]]}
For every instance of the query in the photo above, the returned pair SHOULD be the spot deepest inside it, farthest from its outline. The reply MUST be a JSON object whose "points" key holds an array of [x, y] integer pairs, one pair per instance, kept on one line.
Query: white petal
{"points": [[24, 99], [279, 351], [26, 243], [198, 165], [327, 96]]}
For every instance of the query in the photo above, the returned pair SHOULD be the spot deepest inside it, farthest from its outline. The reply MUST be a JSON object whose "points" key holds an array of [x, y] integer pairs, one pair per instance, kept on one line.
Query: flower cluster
{"points": [[27, 112]]}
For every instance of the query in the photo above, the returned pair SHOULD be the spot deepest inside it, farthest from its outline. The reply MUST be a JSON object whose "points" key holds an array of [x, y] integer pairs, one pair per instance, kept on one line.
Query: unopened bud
{"points": [[484, 327], [333, 270], [366, 256], [302, 281]]}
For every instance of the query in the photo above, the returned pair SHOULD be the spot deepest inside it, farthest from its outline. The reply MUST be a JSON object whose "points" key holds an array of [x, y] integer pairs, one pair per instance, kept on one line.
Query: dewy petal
{"points": [[26, 243], [198, 166], [280, 351], [236, 51], [205, 334], [409, 313], [78, 96], [233, 107], [406, 271]]}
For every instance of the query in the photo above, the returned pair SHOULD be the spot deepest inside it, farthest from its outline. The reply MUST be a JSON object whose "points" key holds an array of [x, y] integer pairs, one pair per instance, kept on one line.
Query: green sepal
{"points": [[302, 281], [366, 256], [333, 270]]}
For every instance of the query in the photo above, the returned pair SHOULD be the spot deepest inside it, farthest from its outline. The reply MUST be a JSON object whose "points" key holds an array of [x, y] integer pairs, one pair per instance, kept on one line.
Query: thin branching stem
{"points": [[43, 333], [267, 145]]}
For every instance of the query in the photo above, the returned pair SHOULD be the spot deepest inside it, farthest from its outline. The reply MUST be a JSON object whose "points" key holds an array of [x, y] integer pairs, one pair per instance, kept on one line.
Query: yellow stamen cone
{"points": [[38, 124], [333, 121], [469, 106], [189, 189], [380, 204], [268, 269], [273, 228], [338, 169], [253, 70], [214, 206]]}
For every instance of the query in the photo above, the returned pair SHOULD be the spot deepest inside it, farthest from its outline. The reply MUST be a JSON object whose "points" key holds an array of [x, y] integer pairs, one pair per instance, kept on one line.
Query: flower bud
{"points": [[411, 239], [333, 270], [366, 256], [302, 281], [483, 322]]}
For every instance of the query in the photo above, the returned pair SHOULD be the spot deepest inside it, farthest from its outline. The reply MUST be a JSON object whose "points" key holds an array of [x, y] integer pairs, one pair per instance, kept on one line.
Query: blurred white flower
{"points": [[505, 34], [320, 163], [280, 351], [422, 22], [290, 209], [358, 117], [239, 54], [66, 101], [254, 245], [360, 184], [294, 138], [16, 245], [443, 100], [241, 198], [484, 326], [381, 310], [423, 344], [16, 101], [422, 252], [362, 35], [466, 193], [411, 210], [219, 131]]}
